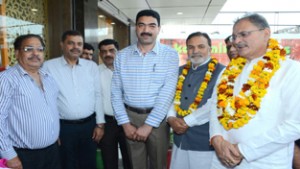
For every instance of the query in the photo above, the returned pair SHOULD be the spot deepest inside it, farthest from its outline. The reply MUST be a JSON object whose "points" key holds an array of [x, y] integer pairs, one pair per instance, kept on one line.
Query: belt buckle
{"points": [[144, 111]]}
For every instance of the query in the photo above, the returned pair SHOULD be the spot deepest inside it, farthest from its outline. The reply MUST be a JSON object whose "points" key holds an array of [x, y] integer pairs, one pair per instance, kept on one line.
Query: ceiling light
{"points": [[101, 16], [113, 23], [179, 13], [34, 10]]}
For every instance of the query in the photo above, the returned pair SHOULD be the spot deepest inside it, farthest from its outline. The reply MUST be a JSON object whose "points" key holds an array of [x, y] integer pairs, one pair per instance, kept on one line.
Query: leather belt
{"points": [[78, 121], [139, 110], [40, 149], [109, 117]]}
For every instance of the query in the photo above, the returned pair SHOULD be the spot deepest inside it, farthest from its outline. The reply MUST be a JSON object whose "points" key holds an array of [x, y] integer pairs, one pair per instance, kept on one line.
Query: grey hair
{"points": [[255, 19]]}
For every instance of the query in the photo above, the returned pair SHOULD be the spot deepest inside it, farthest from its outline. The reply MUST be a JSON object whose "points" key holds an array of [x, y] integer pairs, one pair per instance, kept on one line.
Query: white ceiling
{"points": [[194, 12], [212, 16]]}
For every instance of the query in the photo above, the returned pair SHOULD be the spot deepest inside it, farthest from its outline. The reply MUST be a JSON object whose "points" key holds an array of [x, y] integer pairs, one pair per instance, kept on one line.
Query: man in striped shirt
{"points": [[29, 118], [143, 87]]}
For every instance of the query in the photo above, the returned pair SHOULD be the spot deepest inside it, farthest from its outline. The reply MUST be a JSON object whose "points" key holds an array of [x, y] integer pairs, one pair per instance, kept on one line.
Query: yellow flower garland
{"points": [[236, 111], [203, 86]]}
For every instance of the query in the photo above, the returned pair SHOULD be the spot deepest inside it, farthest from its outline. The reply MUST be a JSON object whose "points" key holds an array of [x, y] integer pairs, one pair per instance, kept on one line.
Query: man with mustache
{"points": [[191, 149], [231, 49], [255, 113], [79, 103], [113, 134], [88, 51], [29, 118], [143, 87]]}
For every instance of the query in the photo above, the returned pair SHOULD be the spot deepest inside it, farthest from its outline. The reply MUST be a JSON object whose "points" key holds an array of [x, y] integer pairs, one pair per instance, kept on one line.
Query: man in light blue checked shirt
{"points": [[29, 118], [143, 87]]}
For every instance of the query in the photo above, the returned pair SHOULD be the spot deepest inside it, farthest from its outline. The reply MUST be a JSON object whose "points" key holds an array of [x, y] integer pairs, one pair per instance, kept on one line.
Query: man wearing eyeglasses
{"points": [[79, 103], [29, 118], [255, 117], [113, 133]]}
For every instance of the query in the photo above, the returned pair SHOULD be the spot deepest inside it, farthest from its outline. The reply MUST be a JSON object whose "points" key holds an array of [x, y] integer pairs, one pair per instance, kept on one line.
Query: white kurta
{"points": [[267, 141], [187, 159]]}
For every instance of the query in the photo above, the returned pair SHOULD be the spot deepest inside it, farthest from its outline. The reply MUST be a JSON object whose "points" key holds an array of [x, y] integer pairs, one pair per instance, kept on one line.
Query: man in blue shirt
{"points": [[143, 87], [29, 118]]}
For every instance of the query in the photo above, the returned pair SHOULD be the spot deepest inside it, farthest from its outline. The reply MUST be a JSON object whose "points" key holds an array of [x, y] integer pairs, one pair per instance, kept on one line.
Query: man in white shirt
{"points": [[191, 148], [255, 118], [114, 134], [79, 103]]}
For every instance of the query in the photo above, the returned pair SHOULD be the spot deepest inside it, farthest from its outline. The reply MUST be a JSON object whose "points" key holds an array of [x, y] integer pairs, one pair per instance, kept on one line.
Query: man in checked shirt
{"points": [[143, 87]]}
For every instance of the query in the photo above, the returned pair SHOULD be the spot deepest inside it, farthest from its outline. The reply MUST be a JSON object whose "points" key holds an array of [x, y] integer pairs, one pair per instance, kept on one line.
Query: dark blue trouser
{"points": [[78, 150], [113, 135], [46, 158]]}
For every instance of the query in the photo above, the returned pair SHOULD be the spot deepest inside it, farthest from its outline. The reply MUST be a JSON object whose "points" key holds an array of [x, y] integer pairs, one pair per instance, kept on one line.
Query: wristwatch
{"points": [[101, 126]]}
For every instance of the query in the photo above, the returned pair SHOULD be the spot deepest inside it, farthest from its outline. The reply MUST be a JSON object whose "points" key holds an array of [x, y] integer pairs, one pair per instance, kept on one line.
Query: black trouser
{"points": [[46, 158], [78, 150], [113, 135]]}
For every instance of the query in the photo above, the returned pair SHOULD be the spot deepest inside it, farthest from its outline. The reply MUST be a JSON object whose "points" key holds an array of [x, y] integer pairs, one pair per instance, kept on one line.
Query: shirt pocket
{"points": [[158, 77]]}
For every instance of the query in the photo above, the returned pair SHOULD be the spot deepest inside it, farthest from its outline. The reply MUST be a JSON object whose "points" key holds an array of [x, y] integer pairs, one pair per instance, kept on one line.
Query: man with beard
{"points": [[255, 107], [29, 118], [79, 103], [189, 114], [114, 134], [143, 87]]}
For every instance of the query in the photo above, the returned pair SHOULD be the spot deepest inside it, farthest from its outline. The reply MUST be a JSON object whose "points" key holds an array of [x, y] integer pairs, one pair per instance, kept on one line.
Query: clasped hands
{"points": [[229, 154], [178, 125], [137, 134]]}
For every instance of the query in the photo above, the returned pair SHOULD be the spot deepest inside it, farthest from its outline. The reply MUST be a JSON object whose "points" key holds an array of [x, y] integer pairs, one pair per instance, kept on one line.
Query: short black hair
{"points": [[148, 12], [20, 39], [108, 42], [70, 33], [199, 34], [88, 46], [228, 39], [255, 19]]}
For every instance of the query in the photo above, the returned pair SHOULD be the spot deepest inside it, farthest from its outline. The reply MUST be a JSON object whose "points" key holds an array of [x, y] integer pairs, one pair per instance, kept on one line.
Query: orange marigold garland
{"points": [[236, 111], [199, 96]]}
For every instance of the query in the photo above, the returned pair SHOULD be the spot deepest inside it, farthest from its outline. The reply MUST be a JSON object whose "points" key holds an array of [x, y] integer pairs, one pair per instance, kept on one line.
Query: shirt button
{"points": [[185, 98], [189, 85]]}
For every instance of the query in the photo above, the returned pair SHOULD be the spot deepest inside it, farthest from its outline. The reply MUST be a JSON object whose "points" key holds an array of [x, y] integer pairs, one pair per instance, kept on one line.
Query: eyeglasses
{"points": [[243, 34], [31, 48]]}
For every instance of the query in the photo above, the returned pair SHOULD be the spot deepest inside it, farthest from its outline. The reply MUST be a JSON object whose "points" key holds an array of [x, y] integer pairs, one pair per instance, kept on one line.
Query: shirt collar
{"points": [[64, 61], [23, 72], [105, 67], [154, 50]]}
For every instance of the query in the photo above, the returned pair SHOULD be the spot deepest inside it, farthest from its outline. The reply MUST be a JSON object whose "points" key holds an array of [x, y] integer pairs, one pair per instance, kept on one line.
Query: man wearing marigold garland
{"points": [[255, 118], [189, 115]]}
